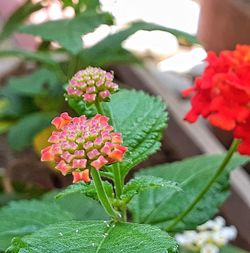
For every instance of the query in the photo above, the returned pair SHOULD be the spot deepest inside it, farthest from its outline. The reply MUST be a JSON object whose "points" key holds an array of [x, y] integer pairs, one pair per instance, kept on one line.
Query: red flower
{"points": [[82, 143], [222, 93]]}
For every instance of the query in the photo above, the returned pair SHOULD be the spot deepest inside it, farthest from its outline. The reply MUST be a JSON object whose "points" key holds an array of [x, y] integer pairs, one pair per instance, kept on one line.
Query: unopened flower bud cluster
{"points": [[208, 238], [92, 84]]}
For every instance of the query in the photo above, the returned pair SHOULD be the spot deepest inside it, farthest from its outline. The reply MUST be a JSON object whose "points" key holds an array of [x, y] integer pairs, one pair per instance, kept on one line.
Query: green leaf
{"points": [[24, 217], [231, 249], [68, 32], [13, 106], [93, 237], [22, 134], [142, 183], [5, 125], [40, 82], [140, 118], [115, 55], [88, 189], [161, 207], [83, 5], [81, 207], [109, 50], [41, 57], [18, 17]]}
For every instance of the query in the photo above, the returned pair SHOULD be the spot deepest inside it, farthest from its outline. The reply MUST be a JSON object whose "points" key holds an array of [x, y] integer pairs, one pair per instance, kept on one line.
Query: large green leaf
{"points": [[18, 17], [161, 207], [81, 207], [24, 217], [142, 183], [40, 82], [94, 237], [68, 32], [22, 134], [140, 118], [109, 50]]}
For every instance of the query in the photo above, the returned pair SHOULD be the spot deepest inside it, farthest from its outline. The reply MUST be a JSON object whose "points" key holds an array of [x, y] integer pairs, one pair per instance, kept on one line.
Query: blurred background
{"points": [[158, 46]]}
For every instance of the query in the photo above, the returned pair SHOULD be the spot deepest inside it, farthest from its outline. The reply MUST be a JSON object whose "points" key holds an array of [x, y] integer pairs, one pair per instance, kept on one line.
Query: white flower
{"points": [[209, 248], [229, 232], [202, 238], [219, 238]]}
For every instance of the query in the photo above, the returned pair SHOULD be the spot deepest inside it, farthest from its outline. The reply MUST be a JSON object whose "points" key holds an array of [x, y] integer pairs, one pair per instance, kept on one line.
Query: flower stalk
{"points": [[210, 183], [116, 168], [103, 196]]}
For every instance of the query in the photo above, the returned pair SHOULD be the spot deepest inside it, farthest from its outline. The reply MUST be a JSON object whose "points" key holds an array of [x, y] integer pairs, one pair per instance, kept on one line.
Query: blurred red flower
{"points": [[222, 94]]}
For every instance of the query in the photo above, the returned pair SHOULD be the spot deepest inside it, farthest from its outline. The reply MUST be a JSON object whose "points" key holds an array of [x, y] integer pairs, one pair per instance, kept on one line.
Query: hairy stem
{"points": [[118, 181], [210, 183], [102, 195]]}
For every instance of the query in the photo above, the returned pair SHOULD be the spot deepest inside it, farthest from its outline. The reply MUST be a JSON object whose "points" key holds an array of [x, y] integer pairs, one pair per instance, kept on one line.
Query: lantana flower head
{"points": [[80, 143], [222, 94], [92, 84]]}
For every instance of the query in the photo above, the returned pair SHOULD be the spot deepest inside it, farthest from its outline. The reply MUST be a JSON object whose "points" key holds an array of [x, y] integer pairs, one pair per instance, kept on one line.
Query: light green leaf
{"points": [[93, 237], [68, 32], [24, 217], [40, 82], [161, 207], [22, 134], [142, 183], [141, 119], [5, 125], [18, 17], [88, 189]]}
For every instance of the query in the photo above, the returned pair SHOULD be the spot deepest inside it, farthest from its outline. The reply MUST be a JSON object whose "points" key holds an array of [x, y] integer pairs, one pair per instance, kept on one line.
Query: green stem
{"points": [[116, 167], [218, 173], [102, 195], [117, 180], [99, 107]]}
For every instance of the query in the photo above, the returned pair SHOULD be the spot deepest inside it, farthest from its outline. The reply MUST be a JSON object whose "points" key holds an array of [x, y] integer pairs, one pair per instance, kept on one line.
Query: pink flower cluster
{"points": [[80, 143], [92, 84]]}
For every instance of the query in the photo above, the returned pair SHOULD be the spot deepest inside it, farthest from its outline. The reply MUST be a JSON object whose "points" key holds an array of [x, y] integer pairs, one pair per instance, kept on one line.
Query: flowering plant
{"points": [[114, 131]]}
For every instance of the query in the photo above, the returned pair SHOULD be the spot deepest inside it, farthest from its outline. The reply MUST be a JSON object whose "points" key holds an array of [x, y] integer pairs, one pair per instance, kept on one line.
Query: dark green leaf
{"points": [[68, 32], [109, 50], [115, 55], [93, 237], [142, 183], [83, 5], [40, 82], [161, 207], [41, 57], [140, 118], [87, 189], [22, 134], [81, 207], [231, 249], [24, 217], [18, 17], [13, 106]]}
